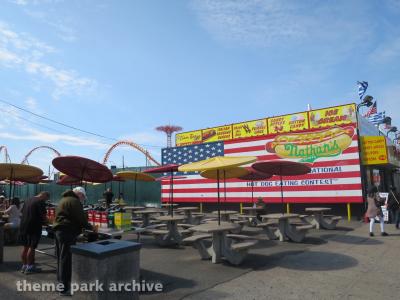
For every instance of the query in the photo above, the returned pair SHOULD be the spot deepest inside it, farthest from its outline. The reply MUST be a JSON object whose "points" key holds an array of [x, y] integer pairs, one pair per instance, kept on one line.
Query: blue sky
{"points": [[122, 68]]}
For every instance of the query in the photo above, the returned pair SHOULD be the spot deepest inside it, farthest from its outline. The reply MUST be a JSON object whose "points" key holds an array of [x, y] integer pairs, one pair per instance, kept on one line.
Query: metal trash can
{"points": [[105, 270]]}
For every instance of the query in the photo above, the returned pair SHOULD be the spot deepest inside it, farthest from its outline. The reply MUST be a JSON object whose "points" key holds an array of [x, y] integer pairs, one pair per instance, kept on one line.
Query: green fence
{"points": [[147, 193]]}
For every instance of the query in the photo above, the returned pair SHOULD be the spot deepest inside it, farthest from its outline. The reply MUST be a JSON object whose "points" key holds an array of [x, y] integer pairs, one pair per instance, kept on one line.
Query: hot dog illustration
{"points": [[312, 145], [209, 134]]}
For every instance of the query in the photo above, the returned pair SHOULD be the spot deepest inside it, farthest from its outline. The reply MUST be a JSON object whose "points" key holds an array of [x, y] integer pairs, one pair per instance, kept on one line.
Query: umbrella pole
{"points": [[134, 203], [252, 192], [219, 208], [224, 191], [283, 205], [172, 194], [11, 184]]}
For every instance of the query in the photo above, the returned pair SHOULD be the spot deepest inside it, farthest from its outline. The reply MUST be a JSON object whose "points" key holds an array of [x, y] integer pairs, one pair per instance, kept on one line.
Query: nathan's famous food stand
{"points": [[326, 138]]}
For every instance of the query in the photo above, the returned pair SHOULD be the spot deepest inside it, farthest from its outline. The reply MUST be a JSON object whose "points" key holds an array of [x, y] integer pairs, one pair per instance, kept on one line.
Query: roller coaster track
{"points": [[6, 156], [25, 160], [133, 145]]}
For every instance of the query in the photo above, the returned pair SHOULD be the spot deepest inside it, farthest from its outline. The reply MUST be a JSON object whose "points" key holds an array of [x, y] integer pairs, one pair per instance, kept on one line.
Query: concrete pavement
{"points": [[340, 264]]}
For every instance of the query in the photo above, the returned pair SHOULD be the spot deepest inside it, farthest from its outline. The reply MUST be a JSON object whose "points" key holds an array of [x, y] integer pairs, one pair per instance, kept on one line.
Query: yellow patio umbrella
{"points": [[135, 176], [218, 164], [15, 172]]}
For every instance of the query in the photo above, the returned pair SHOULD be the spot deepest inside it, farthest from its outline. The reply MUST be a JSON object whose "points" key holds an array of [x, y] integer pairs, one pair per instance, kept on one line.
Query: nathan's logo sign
{"points": [[312, 145]]}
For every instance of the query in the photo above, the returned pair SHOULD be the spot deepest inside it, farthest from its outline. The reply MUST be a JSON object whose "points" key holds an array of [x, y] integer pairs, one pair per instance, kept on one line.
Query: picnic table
{"points": [[169, 204], [225, 214], [171, 235], [190, 217], [251, 215], [320, 220], [223, 244], [284, 230], [146, 213]]}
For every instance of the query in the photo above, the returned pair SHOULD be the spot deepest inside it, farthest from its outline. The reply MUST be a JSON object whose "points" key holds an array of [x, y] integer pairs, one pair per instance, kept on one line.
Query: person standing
{"points": [[69, 222], [108, 196], [14, 214], [393, 206], [32, 220], [374, 210]]}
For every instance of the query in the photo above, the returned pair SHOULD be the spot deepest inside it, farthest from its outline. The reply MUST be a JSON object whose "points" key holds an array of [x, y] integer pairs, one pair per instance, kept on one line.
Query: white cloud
{"points": [[386, 52], [62, 26], [31, 104], [266, 23], [148, 138], [388, 100], [18, 127], [23, 51]]}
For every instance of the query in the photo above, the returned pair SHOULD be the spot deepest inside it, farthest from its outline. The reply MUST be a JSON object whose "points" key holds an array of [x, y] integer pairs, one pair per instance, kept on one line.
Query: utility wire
{"points": [[66, 125]]}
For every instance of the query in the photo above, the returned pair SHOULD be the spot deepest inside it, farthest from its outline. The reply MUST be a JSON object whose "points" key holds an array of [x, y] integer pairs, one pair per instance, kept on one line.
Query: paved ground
{"points": [[340, 264]]}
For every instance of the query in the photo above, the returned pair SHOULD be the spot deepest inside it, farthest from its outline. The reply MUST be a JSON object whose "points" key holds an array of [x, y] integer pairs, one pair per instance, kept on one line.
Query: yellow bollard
{"points": [[201, 207], [241, 208], [348, 212], [287, 208]]}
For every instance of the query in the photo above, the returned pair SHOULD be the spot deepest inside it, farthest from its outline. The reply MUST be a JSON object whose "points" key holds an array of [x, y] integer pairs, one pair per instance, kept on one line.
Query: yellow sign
{"points": [[249, 129], [220, 133], [288, 123], [373, 150], [188, 138], [338, 115]]}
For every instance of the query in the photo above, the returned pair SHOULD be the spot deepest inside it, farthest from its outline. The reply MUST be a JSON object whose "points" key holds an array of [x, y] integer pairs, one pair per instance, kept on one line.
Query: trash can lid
{"points": [[105, 248]]}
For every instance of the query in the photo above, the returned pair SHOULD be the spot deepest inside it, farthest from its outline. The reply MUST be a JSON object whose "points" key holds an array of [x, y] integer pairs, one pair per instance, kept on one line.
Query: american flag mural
{"points": [[335, 175]]}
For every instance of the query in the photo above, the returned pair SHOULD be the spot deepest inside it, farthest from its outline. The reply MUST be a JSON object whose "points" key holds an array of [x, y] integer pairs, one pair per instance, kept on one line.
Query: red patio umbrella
{"points": [[170, 168], [282, 168], [83, 169], [254, 176], [68, 180]]}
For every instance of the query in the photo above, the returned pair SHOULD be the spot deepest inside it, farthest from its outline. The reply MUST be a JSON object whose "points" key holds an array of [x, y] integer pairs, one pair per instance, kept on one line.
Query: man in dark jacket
{"points": [[30, 230], [108, 196], [70, 220], [393, 206]]}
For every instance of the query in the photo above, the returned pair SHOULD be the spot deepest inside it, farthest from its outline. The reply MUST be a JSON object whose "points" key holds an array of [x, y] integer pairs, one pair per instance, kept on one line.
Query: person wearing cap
{"points": [[69, 222]]}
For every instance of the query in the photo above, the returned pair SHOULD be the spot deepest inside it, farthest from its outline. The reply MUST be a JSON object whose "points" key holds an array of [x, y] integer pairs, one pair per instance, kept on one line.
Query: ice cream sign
{"points": [[309, 146], [339, 115]]}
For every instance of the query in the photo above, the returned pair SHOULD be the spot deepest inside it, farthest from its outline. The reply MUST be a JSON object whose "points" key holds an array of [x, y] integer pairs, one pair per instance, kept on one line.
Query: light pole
{"points": [[367, 102], [393, 129]]}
